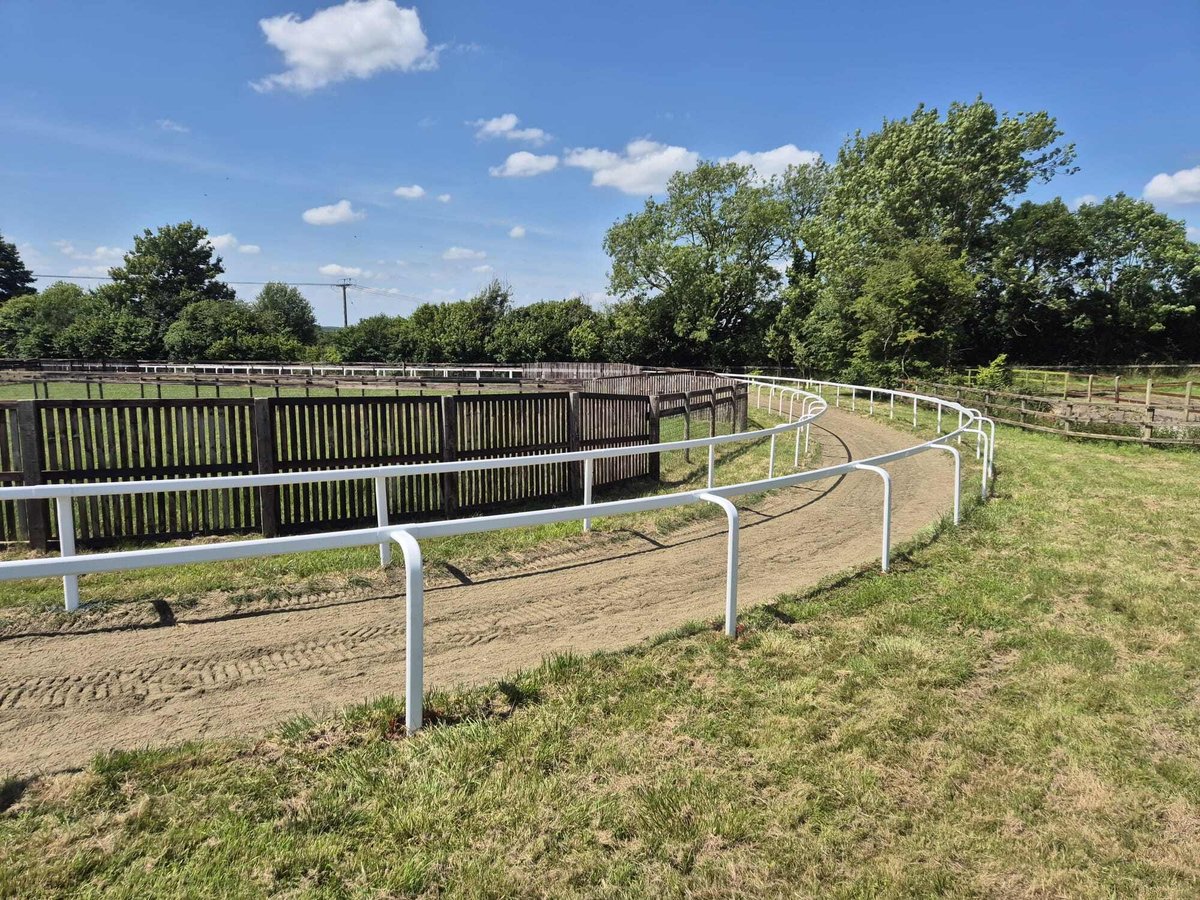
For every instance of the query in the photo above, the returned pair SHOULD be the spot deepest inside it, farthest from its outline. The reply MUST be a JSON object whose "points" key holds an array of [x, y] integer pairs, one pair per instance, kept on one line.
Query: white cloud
{"points": [[357, 39], [482, 269], [523, 164], [443, 198], [643, 168], [409, 192], [505, 126], [337, 271], [770, 163], [517, 231], [172, 125], [99, 254], [1182, 187], [1083, 200], [223, 242], [334, 214], [461, 253], [227, 243]]}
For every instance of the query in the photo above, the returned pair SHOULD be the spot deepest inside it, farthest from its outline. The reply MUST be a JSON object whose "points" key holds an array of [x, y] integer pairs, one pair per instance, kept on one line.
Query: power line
{"points": [[248, 283]]}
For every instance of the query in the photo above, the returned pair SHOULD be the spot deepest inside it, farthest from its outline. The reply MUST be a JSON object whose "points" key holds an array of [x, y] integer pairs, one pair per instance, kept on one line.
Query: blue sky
{"points": [[287, 130]]}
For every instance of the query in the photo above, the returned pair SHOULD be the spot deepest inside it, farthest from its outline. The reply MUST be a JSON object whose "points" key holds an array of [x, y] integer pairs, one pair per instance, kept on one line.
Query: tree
{"points": [[910, 312], [713, 251], [224, 329], [64, 320], [373, 339], [167, 271], [467, 325], [284, 311], [1139, 284], [539, 332], [15, 279], [925, 178]]}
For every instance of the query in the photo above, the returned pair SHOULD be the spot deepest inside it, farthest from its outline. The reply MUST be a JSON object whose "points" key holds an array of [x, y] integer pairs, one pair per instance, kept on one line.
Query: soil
{"points": [[203, 672]]}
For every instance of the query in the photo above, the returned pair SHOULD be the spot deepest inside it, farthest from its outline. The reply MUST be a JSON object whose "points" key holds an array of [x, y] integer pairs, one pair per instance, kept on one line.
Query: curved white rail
{"points": [[808, 392]]}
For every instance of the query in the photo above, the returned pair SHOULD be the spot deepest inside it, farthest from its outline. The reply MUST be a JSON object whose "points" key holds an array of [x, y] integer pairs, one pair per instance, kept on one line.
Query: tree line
{"points": [[912, 252]]}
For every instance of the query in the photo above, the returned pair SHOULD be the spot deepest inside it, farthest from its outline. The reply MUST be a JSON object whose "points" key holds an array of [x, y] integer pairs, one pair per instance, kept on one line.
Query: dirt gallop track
{"points": [[64, 697]]}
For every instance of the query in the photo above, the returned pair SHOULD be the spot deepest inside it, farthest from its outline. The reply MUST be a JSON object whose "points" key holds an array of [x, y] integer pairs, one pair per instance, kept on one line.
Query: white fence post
{"points": [[957, 476], [914, 412], [731, 565], [887, 511], [66, 547], [414, 631], [771, 460], [381, 518], [712, 464]]}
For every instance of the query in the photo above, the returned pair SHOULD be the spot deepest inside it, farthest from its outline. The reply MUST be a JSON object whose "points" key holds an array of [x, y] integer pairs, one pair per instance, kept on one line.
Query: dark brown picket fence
{"points": [[58, 441]]}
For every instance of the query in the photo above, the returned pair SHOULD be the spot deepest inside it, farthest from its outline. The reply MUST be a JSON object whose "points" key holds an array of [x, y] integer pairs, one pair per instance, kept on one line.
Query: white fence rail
{"points": [[786, 396]]}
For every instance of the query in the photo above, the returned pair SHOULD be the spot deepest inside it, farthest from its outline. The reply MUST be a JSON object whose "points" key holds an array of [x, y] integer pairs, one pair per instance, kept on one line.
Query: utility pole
{"points": [[345, 283]]}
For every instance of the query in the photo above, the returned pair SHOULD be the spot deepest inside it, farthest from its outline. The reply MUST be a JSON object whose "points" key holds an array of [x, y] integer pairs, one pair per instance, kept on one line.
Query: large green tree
{"points": [[282, 310], [924, 178], [713, 253], [166, 271], [15, 278], [66, 321], [540, 332]]}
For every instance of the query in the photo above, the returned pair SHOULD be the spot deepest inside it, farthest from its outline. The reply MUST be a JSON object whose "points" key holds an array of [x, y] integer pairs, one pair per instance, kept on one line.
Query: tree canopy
{"points": [[15, 278]]}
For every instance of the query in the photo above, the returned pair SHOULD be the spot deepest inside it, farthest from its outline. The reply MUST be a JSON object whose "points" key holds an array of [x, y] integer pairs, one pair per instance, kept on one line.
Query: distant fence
{"points": [[556, 371], [1174, 424], [61, 441]]}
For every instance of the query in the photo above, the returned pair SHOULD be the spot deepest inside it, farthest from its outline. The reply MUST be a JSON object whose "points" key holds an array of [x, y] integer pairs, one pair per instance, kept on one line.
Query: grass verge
{"points": [[1012, 712]]}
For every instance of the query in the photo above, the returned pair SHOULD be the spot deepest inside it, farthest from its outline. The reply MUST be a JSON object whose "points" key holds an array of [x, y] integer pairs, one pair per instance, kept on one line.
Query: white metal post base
{"points": [[885, 554], [731, 567], [414, 631]]}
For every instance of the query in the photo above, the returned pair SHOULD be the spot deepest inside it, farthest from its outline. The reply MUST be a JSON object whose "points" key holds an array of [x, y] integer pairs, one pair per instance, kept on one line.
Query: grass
{"points": [[312, 572], [1012, 712]]}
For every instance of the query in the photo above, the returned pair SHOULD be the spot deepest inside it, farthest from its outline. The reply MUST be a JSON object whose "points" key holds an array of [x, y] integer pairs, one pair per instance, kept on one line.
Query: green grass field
{"points": [[1012, 712]]}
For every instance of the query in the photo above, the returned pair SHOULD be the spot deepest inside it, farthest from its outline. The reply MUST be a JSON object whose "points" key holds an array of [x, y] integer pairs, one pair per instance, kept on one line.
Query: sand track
{"points": [[65, 696]]}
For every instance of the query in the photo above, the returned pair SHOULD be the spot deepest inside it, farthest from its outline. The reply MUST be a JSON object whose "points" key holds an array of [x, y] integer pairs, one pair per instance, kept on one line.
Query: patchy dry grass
{"points": [[1012, 712]]}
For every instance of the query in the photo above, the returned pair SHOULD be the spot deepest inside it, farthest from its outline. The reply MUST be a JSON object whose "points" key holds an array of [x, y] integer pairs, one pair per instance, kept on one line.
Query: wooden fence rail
{"points": [[59, 441]]}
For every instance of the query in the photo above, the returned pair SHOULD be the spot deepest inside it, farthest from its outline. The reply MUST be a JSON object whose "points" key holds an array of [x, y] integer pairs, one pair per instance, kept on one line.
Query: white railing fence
{"points": [[783, 396]]}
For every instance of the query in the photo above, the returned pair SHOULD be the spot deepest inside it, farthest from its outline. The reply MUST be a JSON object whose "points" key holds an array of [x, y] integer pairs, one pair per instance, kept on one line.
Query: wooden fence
{"points": [[57, 441], [1075, 417]]}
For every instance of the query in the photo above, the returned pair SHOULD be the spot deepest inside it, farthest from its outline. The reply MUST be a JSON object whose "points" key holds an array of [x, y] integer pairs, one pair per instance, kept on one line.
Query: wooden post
{"points": [[687, 424], [449, 453], [29, 436], [712, 411], [575, 444], [1149, 384], [1117, 391], [1187, 402], [1091, 378], [655, 437], [1066, 379], [264, 458]]}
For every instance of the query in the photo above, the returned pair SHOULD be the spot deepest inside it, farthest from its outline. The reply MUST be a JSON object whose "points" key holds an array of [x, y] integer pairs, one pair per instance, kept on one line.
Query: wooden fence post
{"points": [[264, 464], [655, 458], [1149, 385], [1187, 402], [712, 411], [29, 436], [575, 444], [687, 424], [449, 454]]}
